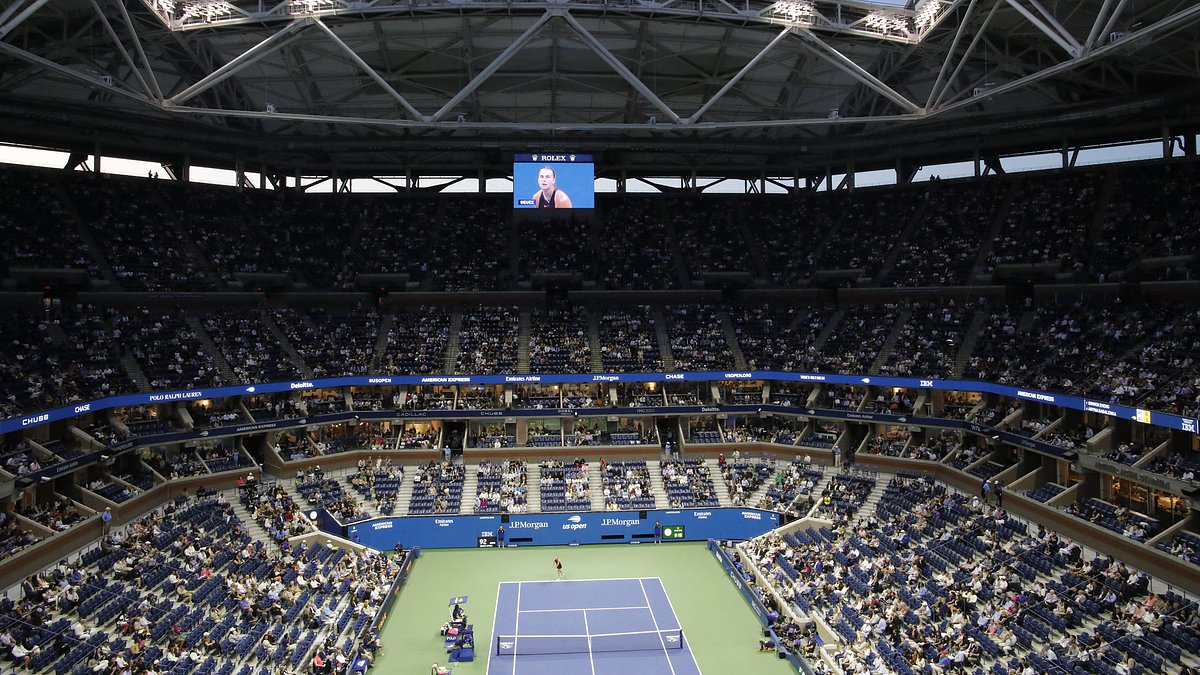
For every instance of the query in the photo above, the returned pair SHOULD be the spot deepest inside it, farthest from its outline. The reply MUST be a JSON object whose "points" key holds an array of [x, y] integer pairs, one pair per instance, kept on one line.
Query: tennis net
{"points": [[634, 641]]}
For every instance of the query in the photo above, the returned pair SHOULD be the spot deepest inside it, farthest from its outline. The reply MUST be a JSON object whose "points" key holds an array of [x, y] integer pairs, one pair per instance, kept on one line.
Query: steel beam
{"points": [[1056, 25], [1112, 19], [366, 67], [951, 7], [72, 73], [8, 11], [1167, 23], [20, 18], [1049, 32], [541, 126], [121, 48], [137, 45], [740, 74], [491, 68], [1098, 24], [241, 61], [979, 32], [958, 34], [615, 63], [843, 63]]}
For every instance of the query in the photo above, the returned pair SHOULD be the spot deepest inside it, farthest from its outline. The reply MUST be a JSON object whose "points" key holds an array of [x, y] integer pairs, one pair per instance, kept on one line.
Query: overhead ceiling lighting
{"points": [[311, 6], [205, 10], [794, 11], [926, 13], [888, 23]]}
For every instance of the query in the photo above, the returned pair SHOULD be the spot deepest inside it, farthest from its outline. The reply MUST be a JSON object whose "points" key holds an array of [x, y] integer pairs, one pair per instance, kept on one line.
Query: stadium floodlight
{"points": [[311, 6], [205, 10], [926, 12], [887, 23], [795, 11]]}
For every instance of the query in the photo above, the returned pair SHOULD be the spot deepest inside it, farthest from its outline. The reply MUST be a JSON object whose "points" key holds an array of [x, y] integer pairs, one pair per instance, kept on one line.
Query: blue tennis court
{"points": [[595, 626]]}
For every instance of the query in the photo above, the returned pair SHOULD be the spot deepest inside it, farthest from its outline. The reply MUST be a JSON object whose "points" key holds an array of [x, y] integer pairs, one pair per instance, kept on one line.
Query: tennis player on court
{"points": [[558, 573]]}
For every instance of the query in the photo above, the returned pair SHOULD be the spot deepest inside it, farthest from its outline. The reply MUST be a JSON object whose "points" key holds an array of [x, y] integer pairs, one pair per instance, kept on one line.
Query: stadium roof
{"points": [[706, 87]]}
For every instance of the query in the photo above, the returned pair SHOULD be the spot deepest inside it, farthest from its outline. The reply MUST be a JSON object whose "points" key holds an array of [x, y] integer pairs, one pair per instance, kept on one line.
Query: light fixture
{"points": [[887, 22], [795, 11], [926, 12], [205, 10], [311, 6]]}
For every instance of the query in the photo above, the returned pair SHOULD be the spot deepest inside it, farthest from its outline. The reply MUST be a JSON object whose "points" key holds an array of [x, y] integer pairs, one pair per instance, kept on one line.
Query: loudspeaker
{"points": [[504, 517], [642, 515]]}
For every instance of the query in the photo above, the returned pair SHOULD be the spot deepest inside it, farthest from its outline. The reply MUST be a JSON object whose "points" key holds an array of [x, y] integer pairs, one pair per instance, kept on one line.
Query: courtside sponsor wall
{"points": [[553, 529]]}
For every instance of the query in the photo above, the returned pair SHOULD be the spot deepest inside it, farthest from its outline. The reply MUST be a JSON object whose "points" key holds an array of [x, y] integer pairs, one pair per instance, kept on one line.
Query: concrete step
{"points": [[596, 485], [656, 485], [381, 341], [470, 489], [450, 363], [714, 470], [524, 325]]}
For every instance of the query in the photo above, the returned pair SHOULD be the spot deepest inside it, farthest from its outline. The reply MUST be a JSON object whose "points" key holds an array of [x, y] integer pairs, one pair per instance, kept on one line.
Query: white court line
{"points": [[593, 635], [496, 611], [668, 597], [575, 581], [582, 609], [588, 631], [516, 627], [661, 641]]}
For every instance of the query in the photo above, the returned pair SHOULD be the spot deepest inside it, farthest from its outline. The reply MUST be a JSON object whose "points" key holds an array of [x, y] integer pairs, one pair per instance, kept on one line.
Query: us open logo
{"points": [[672, 638], [506, 645]]}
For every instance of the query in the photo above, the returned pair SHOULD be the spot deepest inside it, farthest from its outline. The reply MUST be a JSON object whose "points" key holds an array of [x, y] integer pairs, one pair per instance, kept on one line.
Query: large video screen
{"points": [[554, 181]]}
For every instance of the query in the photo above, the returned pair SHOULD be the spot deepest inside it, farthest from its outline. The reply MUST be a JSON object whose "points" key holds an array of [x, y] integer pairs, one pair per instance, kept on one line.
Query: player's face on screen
{"points": [[546, 178]]}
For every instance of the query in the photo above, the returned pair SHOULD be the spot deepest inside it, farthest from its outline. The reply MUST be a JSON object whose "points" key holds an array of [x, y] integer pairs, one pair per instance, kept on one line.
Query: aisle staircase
{"points": [[135, 372], [266, 318], [828, 329], [381, 342], [979, 270], [970, 338], [872, 502], [76, 221], [656, 485], [470, 489], [596, 485], [256, 531], [450, 362], [889, 345], [722, 488], [735, 349], [533, 489], [664, 339], [594, 343], [524, 326], [206, 340]]}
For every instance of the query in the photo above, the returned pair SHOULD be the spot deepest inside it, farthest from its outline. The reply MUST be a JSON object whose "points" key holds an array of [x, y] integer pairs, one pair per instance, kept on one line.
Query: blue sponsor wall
{"points": [[1188, 424], [548, 529]]}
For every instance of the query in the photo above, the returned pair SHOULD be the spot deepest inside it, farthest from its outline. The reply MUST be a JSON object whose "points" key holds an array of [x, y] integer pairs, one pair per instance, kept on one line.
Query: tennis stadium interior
{"points": [[878, 352]]}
